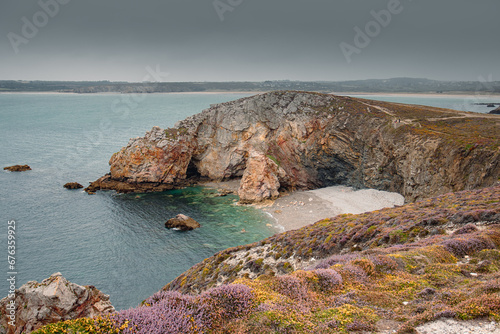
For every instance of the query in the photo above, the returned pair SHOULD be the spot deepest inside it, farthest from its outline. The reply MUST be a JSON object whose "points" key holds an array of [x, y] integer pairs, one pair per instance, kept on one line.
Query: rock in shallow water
{"points": [[182, 223], [18, 168], [54, 299], [73, 185]]}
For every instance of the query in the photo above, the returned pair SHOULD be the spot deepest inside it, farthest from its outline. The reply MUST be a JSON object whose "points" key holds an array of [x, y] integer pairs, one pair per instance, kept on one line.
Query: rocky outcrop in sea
{"points": [[297, 140], [182, 223], [17, 168], [73, 185]]}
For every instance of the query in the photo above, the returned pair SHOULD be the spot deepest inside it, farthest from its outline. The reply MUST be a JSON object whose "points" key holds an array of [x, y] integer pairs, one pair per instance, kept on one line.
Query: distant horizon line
{"points": [[238, 81]]}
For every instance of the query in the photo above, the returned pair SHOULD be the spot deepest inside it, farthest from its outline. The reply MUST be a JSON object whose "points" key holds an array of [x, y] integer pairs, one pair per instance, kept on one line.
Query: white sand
{"points": [[348, 200], [302, 208]]}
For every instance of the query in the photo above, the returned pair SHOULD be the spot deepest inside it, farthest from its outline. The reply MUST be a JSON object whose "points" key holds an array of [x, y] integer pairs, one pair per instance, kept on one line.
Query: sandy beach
{"points": [[301, 208]]}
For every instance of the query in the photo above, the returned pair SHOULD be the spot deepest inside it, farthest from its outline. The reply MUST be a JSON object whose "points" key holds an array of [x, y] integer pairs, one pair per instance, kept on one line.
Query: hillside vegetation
{"points": [[394, 268]]}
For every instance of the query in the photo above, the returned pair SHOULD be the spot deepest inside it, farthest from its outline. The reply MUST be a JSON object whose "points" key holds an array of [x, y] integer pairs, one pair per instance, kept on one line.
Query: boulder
{"points": [[73, 185], [54, 299], [182, 223], [18, 168]]}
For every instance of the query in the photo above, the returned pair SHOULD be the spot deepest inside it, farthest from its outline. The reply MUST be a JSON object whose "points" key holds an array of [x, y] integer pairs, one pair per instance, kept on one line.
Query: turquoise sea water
{"points": [[116, 242]]}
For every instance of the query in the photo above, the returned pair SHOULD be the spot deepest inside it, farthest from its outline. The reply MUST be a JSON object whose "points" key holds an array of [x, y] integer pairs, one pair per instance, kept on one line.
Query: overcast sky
{"points": [[249, 40]]}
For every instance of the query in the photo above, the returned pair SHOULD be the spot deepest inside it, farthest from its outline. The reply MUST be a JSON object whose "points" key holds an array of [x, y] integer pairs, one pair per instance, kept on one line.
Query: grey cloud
{"points": [[258, 40]]}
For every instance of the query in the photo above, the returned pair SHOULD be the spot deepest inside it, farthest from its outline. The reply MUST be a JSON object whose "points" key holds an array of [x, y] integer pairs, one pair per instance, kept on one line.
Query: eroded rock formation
{"points": [[54, 299], [299, 140]]}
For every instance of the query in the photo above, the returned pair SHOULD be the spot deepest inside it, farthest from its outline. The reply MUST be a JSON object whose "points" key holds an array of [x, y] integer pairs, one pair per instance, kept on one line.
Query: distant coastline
{"points": [[119, 93], [372, 86], [402, 94]]}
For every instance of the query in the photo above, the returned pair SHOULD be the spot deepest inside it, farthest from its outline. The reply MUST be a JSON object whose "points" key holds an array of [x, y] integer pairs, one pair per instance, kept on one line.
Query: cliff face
{"points": [[298, 140]]}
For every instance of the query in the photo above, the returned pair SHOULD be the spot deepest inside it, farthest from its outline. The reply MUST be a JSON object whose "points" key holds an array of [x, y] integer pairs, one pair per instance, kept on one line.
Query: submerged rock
{"points": [[18, 168], [182, 223], [73, 185], [54, 299]]}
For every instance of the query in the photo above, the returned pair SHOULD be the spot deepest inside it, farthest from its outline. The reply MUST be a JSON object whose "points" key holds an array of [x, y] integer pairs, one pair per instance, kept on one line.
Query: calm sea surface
{"points": [[116, 242]]}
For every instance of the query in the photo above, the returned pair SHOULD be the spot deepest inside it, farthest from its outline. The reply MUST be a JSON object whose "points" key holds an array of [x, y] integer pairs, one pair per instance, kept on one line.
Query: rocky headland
{"points": [[297, 140]]}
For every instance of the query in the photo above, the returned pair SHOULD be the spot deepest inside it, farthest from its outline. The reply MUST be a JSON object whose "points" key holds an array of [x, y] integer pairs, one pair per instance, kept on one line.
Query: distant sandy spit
{"points": [[39, 93], [118, 93], [215, 92]]}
